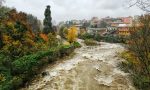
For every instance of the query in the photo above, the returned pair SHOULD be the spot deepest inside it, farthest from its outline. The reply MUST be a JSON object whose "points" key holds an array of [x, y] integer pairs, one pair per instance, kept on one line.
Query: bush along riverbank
{"points": [[132, 65], [23, 69], [90, 42], [138, 54]]}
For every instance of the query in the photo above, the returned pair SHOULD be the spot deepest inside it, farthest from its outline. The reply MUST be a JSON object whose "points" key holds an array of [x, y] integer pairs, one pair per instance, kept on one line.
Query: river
{"points": [[91, 68]]}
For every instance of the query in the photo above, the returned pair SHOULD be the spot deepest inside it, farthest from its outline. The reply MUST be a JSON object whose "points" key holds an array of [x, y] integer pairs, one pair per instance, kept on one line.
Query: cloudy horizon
{"points": [[75, 9]]}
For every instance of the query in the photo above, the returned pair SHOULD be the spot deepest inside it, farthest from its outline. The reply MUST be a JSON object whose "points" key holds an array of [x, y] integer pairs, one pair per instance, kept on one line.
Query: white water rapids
{"points": [[91, 68]]}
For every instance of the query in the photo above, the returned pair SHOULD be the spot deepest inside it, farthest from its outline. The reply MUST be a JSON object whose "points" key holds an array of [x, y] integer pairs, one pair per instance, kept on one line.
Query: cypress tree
{"points": [[47, 21]]}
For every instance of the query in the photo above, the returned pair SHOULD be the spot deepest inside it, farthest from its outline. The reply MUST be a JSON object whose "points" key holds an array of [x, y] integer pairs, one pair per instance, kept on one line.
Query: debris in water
{"points": [[45, 74]]}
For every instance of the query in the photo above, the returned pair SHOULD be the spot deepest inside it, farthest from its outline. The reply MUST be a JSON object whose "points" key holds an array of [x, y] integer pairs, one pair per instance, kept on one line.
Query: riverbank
{"points": [[25, 68]]}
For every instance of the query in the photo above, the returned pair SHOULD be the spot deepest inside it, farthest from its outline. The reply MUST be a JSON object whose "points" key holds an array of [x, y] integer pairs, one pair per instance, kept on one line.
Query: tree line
{"points": [[25, 46]]}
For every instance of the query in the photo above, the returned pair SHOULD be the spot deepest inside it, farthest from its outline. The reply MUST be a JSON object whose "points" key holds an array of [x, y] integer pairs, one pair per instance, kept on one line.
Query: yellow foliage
{"points": [[7, 39], [10, 24], [16, 43], [72, 34], [130, 57]]}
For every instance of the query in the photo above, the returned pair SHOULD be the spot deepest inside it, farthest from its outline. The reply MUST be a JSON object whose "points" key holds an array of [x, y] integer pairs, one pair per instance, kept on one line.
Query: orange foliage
{"points": [[44, 37]]}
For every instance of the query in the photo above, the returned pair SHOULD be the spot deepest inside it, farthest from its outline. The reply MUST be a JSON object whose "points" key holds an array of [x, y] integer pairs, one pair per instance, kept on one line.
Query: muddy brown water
{"points": [[91, 68]]}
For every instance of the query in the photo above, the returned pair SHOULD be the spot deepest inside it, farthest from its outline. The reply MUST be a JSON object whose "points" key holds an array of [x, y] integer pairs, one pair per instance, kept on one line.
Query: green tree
{"points": [[47, 21], [103, 24]]}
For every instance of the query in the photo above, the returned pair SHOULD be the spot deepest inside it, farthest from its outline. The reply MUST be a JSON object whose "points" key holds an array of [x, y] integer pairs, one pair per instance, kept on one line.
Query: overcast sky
{"points": [[75, 9]]}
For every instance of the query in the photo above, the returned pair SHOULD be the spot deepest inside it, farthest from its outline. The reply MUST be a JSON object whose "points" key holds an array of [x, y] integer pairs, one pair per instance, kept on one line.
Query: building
{"points": [[127, 20], [108, 20], [112, 31], [115, 24], [123, 30]]}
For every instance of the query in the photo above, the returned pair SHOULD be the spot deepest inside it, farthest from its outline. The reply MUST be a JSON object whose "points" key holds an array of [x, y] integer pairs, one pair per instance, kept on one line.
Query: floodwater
{"points": [[91, 68]]}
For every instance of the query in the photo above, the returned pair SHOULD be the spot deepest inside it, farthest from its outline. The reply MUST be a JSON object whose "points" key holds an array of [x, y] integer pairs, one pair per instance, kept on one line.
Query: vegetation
{"points": [[47, 22], [76, 45], [24, 48], [142, 4], [106, 38], [63, 32], [103, 24], [96, 37], [72, 34], [114, 39], [34, 23], [139, 54], [90, 42]]}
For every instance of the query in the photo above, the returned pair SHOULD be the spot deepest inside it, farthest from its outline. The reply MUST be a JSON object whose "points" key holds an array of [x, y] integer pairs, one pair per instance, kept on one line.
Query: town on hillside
{"points": [[103, 26]]}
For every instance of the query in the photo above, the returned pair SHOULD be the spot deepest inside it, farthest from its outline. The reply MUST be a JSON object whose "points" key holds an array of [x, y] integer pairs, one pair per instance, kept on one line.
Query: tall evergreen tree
{"points": [[47, 21]]}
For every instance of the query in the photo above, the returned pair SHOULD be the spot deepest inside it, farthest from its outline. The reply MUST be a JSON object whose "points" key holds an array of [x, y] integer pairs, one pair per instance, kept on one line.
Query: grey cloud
{"points": [[75, 9]]}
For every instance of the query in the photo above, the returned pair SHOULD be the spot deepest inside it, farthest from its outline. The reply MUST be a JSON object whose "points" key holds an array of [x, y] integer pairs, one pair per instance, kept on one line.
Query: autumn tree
{"points": [[48, 21], [72, 34], [140, 46], [17, 35]]}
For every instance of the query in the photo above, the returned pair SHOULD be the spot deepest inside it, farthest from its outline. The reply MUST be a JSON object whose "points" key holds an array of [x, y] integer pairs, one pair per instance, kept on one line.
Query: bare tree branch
{"points": [[142, 4]]}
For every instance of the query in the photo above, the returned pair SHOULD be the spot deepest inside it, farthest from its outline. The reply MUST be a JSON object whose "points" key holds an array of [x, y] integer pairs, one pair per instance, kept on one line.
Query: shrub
{"points": [[66, 50], [26, 63], [16, 82], [24, 68], [86, 36], [90, 42], [113, 39], [139, 42], [134, 67], [76, 44]]}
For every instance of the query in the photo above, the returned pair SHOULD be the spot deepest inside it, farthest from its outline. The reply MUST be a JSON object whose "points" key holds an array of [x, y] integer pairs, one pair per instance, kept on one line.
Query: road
{"points": [[91, 68]]}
